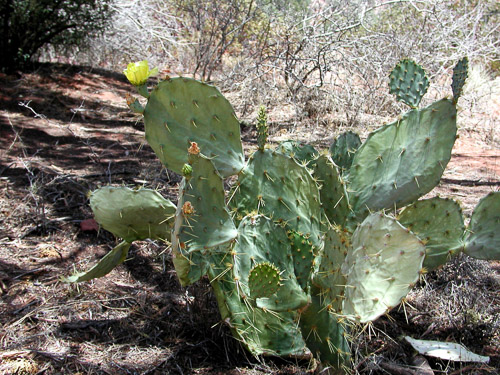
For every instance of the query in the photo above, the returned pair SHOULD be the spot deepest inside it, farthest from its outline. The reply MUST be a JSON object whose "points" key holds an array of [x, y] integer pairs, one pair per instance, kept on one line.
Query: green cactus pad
{"points": [[191, 266], [133, 214], [303, 253], [483, 239], [408, 82], [182, 110], [381, 269], [325, 335], [329, 276], [343, 149], [301, 152], [263, 280], [460, 73], [260, 240], [404, 160], [332, 190], [260, 331], [105, 265], [440, 224], [275, 185], [201, 220]]}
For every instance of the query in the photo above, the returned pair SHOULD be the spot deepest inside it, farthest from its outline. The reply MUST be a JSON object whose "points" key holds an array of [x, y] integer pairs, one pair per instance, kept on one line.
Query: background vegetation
{"points": [[27, 26], [302, 52]]}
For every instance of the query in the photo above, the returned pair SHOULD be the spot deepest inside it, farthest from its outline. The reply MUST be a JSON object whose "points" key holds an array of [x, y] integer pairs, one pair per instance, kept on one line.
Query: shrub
{"points": [[29, 25]]}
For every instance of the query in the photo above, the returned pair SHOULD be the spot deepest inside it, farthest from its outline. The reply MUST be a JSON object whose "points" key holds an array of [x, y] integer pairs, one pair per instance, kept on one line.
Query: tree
{"points": [[28, 25]]}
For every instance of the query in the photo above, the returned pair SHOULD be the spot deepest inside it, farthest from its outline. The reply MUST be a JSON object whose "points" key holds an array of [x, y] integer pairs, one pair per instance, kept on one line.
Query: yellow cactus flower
{"points": [[138, 73]]}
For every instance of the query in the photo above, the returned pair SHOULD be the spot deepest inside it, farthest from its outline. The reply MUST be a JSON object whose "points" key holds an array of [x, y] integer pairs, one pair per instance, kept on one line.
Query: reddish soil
{"points": [[65, 130]]}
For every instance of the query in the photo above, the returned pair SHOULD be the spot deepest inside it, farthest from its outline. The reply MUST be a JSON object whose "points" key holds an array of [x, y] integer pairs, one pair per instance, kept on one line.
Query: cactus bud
{"points": [[187, 170], [134, 104]]}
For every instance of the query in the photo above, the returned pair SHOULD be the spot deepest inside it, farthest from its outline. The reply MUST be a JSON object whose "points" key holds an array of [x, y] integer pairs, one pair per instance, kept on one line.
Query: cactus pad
{"points": [[105, 265], [133, 214], [260, 331], [301, 152], [343, 149], [303, 253], [202, 220], [439, 224], [325, 335], [190, 267], [275, 185], [181, 111], [408, 82], [261, 240], [332, 190], [402, 161], [483, 240], [263, 280], [381, 269], [460, 73], [329, 276]]}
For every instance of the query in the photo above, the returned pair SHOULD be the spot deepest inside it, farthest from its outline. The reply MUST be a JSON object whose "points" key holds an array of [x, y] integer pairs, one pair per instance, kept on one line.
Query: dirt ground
{"points": [[65, 130]]}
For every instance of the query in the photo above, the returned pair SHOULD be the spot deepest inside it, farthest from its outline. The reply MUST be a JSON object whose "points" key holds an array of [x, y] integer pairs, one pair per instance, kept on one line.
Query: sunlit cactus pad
{"points": [[269, 184], [133, 214], [440, 224], [382, 267], [402, 161], [183, 110]]}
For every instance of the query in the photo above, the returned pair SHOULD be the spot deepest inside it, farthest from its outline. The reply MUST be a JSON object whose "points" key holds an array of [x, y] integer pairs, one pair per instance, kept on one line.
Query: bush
{"points": [[28, 25]]}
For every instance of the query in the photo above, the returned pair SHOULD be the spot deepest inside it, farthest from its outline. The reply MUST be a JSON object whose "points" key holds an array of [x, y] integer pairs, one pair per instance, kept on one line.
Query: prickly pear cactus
{"points": [[261, 240], [299, 249], [303, 254], [329, 278], [269, 184], [202, 220], [263, 280], [301, 152], [261, 331], [106, 264], [326, 335], [333, 190]]}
